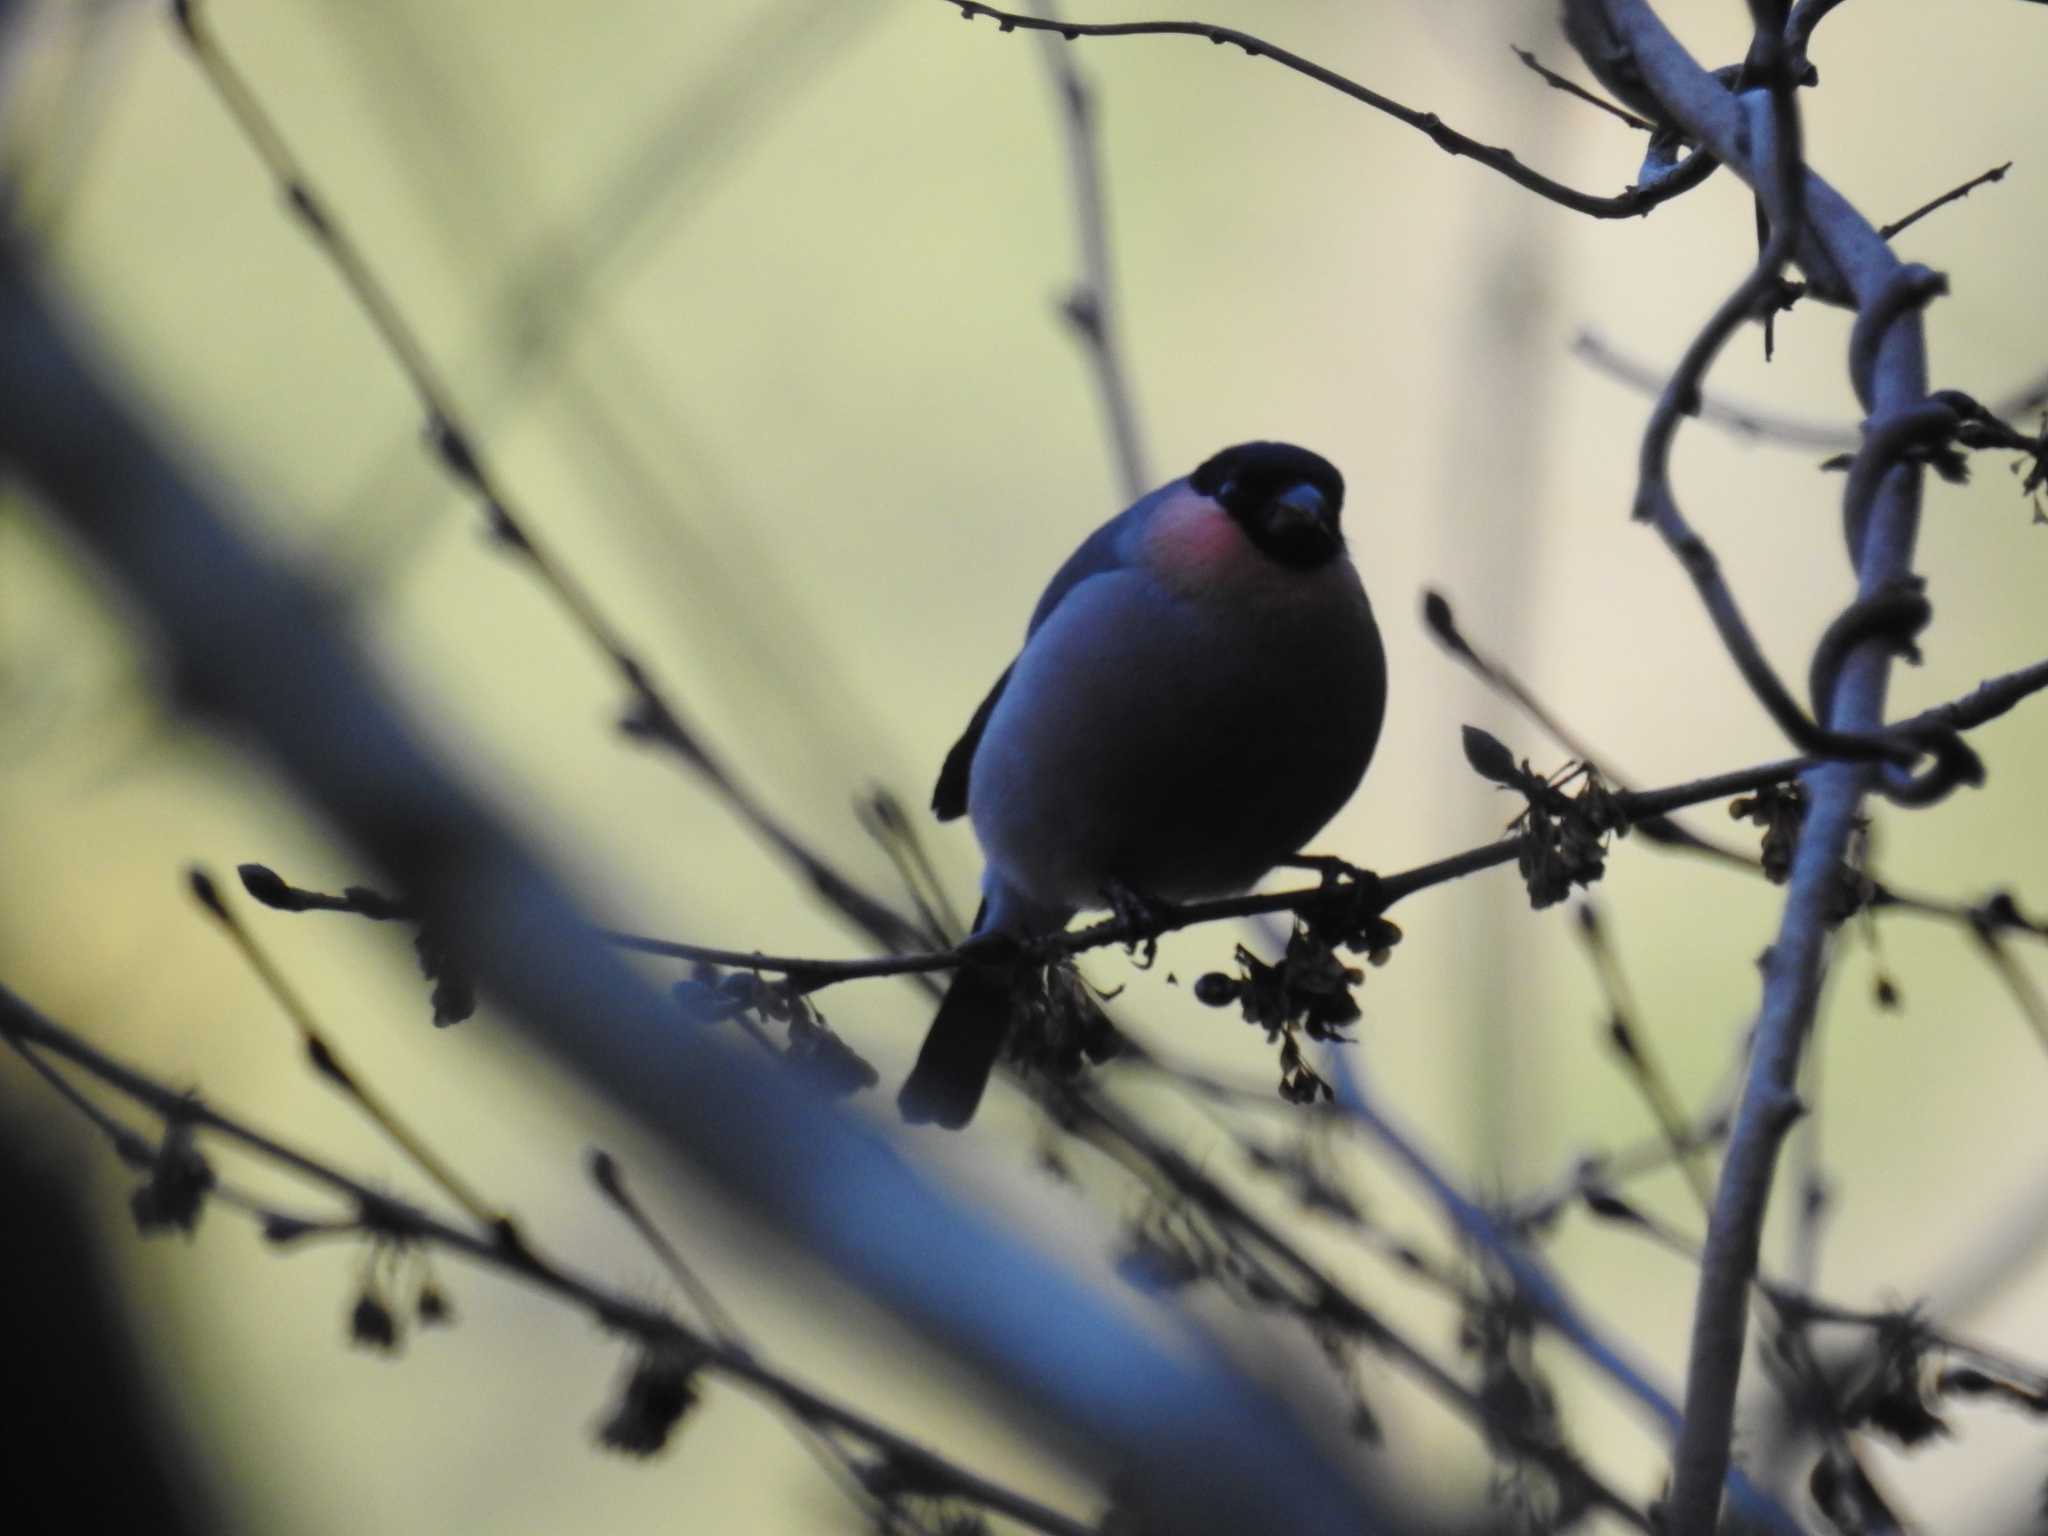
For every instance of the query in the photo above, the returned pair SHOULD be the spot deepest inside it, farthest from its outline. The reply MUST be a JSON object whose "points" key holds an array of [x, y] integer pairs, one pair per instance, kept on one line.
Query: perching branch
{"points": [[1369, 897]]}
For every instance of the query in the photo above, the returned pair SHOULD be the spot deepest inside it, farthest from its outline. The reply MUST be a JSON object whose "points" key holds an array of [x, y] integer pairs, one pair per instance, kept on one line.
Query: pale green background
{"points": [[816, 437]]}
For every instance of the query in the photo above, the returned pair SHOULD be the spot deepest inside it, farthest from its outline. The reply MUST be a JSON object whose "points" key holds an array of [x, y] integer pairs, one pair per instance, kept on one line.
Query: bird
{"points": [[1200, 690]]}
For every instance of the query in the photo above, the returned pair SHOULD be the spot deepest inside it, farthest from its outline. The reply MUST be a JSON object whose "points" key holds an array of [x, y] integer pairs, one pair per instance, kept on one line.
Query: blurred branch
{"points": [[249, 646], [386, 1217], [1765, 426], [1637, 200], [1282, 1272], [1091, 308], [1744, 420], [650, 716], [1537, 1288]]}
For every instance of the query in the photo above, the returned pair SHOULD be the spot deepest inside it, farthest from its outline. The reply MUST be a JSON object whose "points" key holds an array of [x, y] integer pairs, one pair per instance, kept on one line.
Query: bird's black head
{"points": [[1285, 498]]}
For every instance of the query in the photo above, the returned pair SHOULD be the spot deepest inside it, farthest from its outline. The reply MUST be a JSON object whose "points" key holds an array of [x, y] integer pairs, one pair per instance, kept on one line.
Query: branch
{"points": [[1987, 701], [1743, 420], [1637, 200], [1954, 194], [1091, 308], [386, 1216], [1317, 1296], [1806, 15], [650, 715], [1780, 181], [1752, 422], [1846, 251], [1534, 1284], [1557, 82]]}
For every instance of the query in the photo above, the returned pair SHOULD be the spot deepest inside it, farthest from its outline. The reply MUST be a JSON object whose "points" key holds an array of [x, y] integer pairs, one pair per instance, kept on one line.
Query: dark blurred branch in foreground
{"points": [[651, 715], [248, 645], [1537, 1288], [386, 1218]]}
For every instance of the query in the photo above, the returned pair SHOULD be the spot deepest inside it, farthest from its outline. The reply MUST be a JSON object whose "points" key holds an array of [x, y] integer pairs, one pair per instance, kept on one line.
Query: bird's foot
{"points": [[1333, 870], [1147, 914], [994, 948]]}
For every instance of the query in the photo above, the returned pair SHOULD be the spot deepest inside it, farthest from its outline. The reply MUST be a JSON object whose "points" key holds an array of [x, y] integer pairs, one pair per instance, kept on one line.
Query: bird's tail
{"points": [[961, 1048], [966, 1037]]}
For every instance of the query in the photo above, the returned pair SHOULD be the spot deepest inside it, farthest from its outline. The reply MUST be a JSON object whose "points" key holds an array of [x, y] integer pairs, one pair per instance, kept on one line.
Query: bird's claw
{"points": [[1331, 869], [1147, 914]]}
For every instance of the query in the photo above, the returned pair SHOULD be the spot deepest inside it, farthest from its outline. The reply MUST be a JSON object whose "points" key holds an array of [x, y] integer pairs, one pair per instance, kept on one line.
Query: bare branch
{"points": [[1534, 1284], [1637, 200], [1092, 308], [650, 715], [1986, 702], [1743, 420], [389, 1217], [1555, 81], [1954, 194]]}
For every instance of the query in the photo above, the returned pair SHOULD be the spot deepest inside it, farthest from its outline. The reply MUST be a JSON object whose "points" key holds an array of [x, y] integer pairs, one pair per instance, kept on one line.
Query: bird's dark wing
{"points": [[949, 798], [1101, 551]]}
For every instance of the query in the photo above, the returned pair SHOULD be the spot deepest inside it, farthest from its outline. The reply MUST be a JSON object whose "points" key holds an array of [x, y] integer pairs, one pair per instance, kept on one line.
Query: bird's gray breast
{"points": [[1176, 747]]}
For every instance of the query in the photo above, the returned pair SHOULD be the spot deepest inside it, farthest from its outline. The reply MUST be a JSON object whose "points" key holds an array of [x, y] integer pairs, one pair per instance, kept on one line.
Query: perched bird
{"points": [[1199, 691]]}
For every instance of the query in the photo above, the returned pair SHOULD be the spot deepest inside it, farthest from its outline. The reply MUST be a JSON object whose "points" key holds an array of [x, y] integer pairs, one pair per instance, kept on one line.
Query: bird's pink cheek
{"points": [[1196, 547]]}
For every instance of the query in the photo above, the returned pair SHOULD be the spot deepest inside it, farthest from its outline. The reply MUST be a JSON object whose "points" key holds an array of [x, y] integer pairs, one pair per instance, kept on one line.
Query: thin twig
{"points": [[651, 715], [1954, 194], [396, 1219], [1534, 1285], [1091, 308], [1556, 81], [1988, 701], [1640, 1064], [1320, 1298], [1637, 200], [332, 1066], [1744, 420], [1780, 181]]}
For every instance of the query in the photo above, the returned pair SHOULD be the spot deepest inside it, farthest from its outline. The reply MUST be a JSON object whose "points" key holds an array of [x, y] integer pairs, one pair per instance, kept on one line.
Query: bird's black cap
{"points": [[1287, 499]]}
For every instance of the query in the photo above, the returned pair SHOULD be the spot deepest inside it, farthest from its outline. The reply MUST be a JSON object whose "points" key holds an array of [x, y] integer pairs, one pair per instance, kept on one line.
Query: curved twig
{"points": [[1637, 200]]}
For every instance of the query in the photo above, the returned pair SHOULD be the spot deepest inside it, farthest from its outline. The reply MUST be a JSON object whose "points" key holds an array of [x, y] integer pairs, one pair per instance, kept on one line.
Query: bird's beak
{"points": [[1301, 516]]}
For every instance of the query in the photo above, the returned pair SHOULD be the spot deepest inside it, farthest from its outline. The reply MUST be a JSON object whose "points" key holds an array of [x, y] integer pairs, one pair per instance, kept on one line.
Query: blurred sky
{"points": [[756, 306]]}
